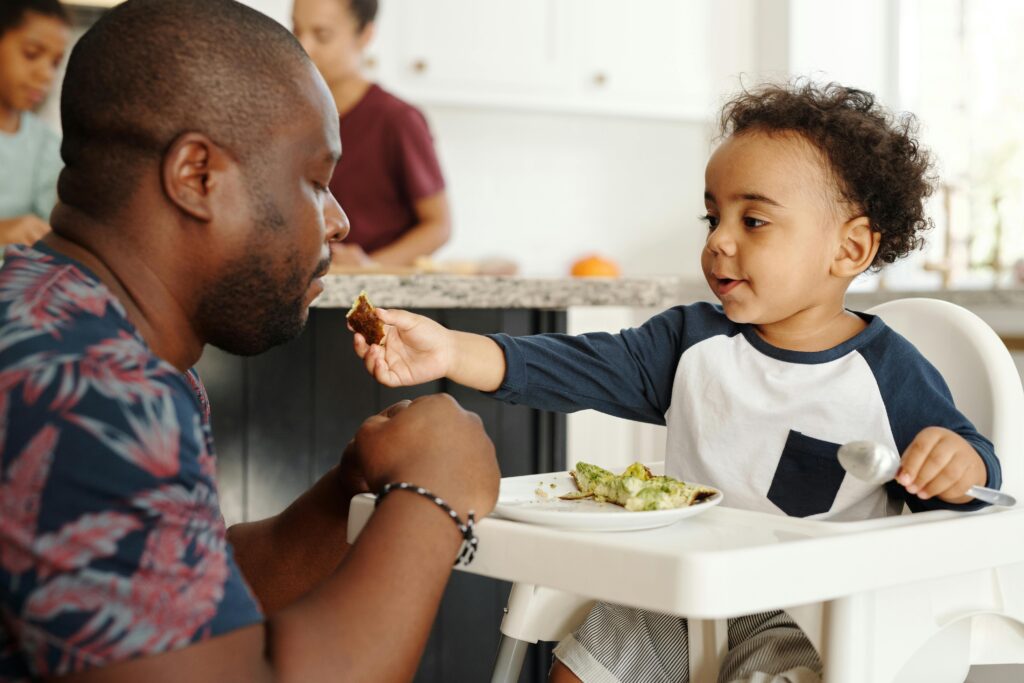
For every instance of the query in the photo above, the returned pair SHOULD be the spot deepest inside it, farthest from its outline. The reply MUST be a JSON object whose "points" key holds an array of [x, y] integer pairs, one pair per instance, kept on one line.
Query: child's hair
{"points": [[365, 11], [12, 12], [877, 165]]}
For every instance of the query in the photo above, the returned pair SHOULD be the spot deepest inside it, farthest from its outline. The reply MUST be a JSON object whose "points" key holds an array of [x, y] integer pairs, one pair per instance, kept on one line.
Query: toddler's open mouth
{"points": [[724, 285]]}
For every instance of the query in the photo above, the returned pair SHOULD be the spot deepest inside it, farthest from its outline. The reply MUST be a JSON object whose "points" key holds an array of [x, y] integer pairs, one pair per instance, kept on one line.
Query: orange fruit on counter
{"points": [[595, 266]]}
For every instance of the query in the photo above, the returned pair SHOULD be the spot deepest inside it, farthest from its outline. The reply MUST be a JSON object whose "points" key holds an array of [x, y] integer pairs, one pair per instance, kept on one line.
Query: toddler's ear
{"points": [[858, 244]]}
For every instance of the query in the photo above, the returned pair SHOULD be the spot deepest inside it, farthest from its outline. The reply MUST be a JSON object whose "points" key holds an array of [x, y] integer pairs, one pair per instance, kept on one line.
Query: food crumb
{"points": [[541, 493]]}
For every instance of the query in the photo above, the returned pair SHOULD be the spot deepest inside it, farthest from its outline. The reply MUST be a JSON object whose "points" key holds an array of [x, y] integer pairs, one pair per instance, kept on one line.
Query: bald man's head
{"points": [[151, 70]]}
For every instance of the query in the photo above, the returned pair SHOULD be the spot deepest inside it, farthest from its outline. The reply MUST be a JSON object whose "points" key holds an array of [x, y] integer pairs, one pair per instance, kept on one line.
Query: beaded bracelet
{"points": [[469, 541]]}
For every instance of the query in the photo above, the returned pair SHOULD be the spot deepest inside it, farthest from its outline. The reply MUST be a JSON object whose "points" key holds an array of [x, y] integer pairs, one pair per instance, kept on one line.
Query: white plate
{"points": [[534, 499]]}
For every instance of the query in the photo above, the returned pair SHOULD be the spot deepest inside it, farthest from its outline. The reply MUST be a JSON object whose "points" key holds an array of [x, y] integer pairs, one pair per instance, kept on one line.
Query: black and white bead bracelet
{"points": [[469, 541]]}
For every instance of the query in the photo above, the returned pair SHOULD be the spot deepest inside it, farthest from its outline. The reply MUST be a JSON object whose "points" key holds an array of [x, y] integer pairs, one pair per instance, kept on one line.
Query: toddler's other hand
{"points": [[416, 350], [940, 462]]}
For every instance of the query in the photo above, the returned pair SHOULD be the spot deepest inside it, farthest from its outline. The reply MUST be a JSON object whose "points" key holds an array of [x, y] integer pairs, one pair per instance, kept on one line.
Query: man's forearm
{"points": [[285, 556], [387, 591]]}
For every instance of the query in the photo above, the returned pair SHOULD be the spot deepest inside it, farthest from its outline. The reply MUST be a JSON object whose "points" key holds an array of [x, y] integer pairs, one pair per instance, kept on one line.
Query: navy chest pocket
{"points": [[808, 477]]}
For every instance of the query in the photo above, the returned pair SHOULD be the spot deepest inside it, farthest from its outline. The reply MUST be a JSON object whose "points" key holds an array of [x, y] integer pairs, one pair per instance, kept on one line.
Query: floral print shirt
{"points": [[112, 544]]}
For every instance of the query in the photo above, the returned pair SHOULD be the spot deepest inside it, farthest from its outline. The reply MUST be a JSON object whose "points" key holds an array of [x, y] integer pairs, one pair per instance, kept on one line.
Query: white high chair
{"points": [[924, 632]]}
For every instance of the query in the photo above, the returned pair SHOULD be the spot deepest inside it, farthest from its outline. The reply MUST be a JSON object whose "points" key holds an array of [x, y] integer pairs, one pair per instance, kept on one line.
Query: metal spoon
{"points": [[876, 464]]}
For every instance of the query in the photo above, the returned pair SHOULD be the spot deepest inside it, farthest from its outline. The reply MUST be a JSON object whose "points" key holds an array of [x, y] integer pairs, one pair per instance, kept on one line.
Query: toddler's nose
{"points": [[721, 242]]}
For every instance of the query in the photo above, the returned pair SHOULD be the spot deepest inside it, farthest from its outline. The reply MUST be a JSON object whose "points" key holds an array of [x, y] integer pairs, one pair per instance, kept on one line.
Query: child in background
{"points": [[388, 179], [33, 37], [810, 187]]}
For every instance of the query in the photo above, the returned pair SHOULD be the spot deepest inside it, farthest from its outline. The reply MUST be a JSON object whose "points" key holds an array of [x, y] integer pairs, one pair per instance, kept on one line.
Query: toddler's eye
{"points": [[751, 222], [712, 221]]}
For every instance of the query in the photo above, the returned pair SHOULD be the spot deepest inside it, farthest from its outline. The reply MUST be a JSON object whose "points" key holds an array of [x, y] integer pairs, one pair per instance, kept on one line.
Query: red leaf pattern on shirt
{"points": [[20, 490]]}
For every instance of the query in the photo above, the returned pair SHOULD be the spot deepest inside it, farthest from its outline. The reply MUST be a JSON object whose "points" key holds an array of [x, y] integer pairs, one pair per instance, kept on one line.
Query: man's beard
{"points": [[254, 306]]}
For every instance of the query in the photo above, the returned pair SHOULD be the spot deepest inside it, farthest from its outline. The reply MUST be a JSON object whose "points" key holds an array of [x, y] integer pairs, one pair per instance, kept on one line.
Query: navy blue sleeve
{"points": [[628, 375], [916, 397]]}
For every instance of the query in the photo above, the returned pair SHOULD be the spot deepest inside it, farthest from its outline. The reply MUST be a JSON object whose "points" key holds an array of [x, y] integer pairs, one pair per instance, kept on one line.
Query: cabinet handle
{"points": [[419, 66], [600, 78]]}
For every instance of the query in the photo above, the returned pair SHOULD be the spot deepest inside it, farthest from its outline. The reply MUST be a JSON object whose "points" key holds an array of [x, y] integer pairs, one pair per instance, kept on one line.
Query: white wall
{"points": [[546, 188]]}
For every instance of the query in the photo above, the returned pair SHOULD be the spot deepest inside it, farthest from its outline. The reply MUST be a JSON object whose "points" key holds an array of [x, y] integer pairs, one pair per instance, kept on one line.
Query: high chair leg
{"points": [[509, 662]]}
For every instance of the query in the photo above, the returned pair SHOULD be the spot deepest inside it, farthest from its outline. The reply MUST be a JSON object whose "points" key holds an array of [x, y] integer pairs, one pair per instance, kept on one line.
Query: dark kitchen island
{"points": [[282, 419]]}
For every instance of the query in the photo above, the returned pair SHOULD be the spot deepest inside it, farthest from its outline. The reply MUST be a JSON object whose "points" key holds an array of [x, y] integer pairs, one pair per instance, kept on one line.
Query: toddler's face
{"points": [[773, 228], [329, 32], [29, 57]]}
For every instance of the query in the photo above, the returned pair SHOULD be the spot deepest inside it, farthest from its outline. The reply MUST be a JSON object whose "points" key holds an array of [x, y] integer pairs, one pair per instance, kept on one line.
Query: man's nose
{"points": [[336, 220]]}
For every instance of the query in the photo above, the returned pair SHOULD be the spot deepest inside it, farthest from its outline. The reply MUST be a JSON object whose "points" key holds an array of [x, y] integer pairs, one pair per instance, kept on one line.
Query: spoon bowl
{"points": [[869, 461]]}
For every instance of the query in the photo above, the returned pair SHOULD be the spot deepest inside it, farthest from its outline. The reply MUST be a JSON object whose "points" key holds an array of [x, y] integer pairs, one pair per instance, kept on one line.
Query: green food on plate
{"points": [[635, 489]]}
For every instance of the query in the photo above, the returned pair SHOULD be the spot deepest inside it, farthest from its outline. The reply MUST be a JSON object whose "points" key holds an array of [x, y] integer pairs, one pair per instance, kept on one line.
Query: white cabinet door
{"points": [[653, 56], [501, 47]]}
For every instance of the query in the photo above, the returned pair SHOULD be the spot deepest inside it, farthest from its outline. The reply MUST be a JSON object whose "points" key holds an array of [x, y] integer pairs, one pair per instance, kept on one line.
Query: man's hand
{"points": [[430, 442], [416, 350], [23, 230], [940, 462]]}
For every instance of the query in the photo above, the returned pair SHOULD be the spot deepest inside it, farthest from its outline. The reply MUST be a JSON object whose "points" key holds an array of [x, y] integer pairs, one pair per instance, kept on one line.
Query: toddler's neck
{"points": [[817, 333]]}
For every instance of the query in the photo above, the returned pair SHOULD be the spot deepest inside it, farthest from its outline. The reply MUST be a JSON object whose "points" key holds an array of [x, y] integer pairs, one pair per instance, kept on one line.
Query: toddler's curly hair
{"points": [[878, 166]]}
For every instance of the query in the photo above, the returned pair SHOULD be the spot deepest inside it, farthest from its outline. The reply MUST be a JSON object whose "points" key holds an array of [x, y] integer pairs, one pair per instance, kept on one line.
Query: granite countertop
{"points": [[489, 291], [486, 291]]}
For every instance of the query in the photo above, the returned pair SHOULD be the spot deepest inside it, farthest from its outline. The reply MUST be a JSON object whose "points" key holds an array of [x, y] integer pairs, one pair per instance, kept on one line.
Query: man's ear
{"points": [[192, 170], [858, 244]]}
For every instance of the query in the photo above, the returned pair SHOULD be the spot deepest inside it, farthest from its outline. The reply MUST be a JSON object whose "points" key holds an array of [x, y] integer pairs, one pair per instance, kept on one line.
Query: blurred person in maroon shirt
{"points": [[389, 179]]}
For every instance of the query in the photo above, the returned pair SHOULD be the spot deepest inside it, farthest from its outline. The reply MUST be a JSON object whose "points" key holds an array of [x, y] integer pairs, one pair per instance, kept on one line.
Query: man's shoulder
{"points": [[65, 344], [48, 302]]}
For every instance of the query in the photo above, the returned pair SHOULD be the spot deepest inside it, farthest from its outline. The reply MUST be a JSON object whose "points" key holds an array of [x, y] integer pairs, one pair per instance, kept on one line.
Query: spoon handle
{"points": [[991, 496]]}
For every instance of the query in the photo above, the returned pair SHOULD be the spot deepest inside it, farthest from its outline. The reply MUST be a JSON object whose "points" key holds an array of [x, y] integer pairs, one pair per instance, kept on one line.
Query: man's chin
{"points": [[252, 343]]}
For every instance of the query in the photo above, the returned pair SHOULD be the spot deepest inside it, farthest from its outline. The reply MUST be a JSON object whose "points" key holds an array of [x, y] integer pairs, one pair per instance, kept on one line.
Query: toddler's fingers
{"points": [[359, 344], [403, 320], [370, 359], [944, 482], [382, 373], [932, 467], [915, 456], [957, 491]]}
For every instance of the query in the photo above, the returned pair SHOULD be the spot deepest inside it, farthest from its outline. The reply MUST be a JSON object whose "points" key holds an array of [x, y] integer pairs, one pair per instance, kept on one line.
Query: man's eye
{"points": [[712, 221], [751, 222], [322, 36]]}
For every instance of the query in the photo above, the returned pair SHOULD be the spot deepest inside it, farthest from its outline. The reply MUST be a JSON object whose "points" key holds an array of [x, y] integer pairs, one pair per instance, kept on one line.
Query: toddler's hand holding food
{"points": [[408, 349]]}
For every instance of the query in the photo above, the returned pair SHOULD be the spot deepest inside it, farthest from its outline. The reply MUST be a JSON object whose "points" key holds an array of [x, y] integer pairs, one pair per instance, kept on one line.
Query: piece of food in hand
{"points": [[635, 489], [363, 319]]}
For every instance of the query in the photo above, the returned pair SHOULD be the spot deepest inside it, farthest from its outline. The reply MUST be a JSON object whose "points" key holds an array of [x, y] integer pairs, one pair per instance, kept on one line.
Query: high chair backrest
{"points": [[977, 367]]}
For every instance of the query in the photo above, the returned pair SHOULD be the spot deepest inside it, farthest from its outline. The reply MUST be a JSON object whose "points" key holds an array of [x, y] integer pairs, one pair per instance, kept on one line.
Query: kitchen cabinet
{"points": [[282, 419], [494, 47], [649, 58], [646, 56]]}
